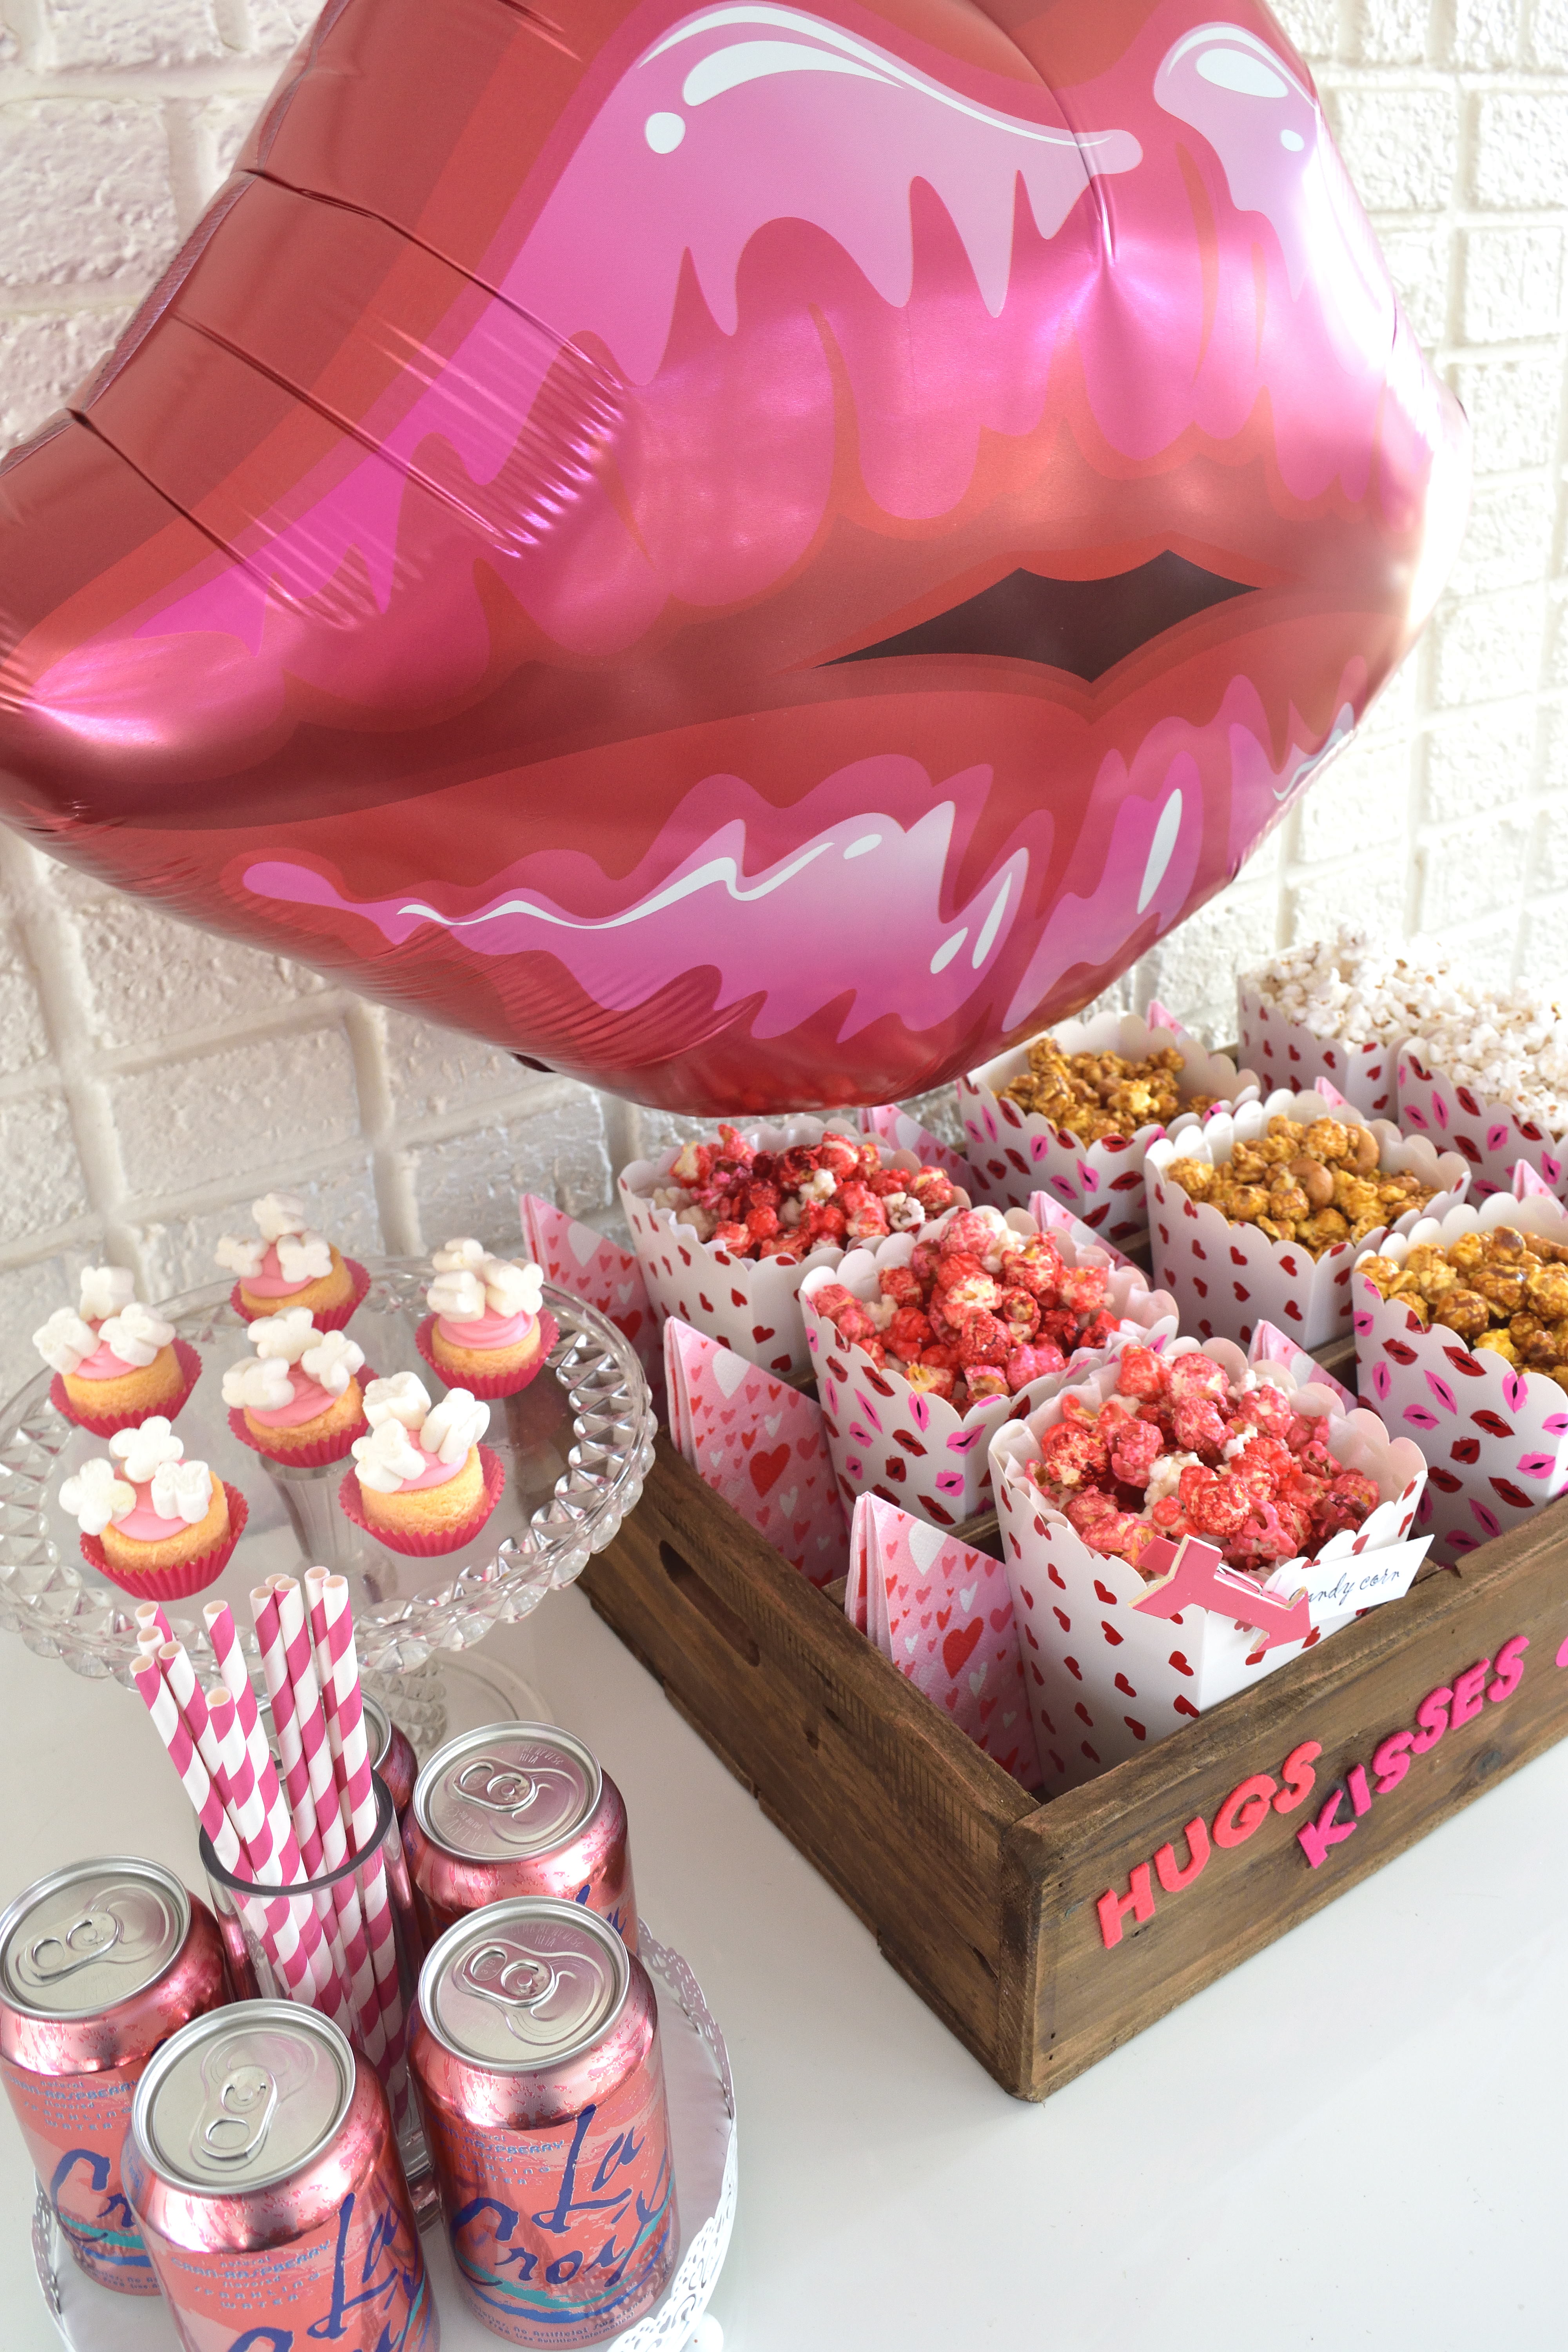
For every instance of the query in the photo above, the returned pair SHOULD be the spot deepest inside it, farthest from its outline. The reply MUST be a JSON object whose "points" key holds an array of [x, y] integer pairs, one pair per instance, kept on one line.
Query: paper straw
{"points": [[172, 1728], [308, 1708], [335, 1635], [150, 1618], [315, 1582], [301, 1930], [174, 1665]]}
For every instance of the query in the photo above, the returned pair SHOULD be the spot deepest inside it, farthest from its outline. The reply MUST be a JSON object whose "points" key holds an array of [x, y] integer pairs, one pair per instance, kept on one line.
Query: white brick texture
{"points": [[153, 1078]]}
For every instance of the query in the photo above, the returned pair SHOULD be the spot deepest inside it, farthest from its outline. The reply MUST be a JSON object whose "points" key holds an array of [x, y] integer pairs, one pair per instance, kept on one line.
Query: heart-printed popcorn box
{"points": [[911, 1447], [943, 1614], [1106, 1674], [1228, 1276], [584, 1264], [761, 1446], [1495, 1437], [749, 1304], [1013, 1153], [1489, 1137], [1286, 1054]]}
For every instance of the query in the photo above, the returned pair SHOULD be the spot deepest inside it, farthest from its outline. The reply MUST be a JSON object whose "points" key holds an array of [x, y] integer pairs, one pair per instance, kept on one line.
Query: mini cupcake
{"points": [[155, 1523], [115, 1361], [486, 1331], [421, 1481], [291, 1265], [297, 1397]]}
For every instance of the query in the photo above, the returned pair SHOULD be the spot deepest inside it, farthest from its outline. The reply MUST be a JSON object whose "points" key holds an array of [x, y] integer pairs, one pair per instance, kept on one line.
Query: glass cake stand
{"points": [[577, 1444]]}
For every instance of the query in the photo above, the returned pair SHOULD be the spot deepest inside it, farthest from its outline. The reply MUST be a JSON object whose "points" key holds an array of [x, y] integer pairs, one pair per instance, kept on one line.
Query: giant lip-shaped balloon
{"points": [[752, 554]]}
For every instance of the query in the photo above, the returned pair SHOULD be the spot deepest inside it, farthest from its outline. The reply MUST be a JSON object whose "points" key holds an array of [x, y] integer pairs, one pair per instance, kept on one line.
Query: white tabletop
{"points": [[1355, 2140]]}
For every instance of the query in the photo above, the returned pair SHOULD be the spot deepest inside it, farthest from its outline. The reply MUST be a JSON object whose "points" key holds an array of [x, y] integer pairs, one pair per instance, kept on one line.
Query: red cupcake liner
{"points": [[498, 1384], [321, 1451], [109, 1424], [330, 1318], [427, 1547], [191, 1576]]}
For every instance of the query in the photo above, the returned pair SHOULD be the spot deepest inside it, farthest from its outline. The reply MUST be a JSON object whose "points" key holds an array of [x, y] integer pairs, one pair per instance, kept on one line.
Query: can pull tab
{"points": [[237, 2115], [92, 1935], [511, 1974], [498, 1786]]}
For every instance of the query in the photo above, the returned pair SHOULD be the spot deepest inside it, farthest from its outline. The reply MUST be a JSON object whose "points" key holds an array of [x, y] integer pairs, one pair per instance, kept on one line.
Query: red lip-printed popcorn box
{"points": [[1490, 1136], [1013, 1153], [923, 1347], [1117, 1656], [1494, 1431], [1227, 1274], [726, 1230], [1286, 1054]]}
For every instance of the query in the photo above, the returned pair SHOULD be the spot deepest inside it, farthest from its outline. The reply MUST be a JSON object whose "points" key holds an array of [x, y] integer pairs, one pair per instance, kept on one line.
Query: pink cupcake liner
{"points": [[191, 1576], [427, 1547], [109, 1424], [330, 1318], [496, 1384], [321, 1451]]}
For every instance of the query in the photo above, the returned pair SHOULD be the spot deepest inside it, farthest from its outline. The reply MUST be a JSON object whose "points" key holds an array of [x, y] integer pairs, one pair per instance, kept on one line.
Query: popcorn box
{"points": [[1107, 1678], [1225, 1276], [1013, 1153], [749, 1304], [901, 1131], [915, 1449], [1489, 1137], [1287, 1054], [1495, 1438]]}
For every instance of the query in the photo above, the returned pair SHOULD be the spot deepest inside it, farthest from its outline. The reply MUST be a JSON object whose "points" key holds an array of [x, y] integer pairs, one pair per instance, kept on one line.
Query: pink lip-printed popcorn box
{"points": [[1495, 1437], [1013, 1153], [749, 1304], [1489, 1136], [1228, 1276], [912, 1446], [1112, 1663], [1286, 1054]]}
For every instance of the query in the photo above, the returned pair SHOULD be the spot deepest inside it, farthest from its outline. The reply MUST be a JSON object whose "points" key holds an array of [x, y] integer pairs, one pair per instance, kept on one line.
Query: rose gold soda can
{"points": [[518, 1808], [390, 1754], [536, 2055], [99, 1964], [262, 2167]]}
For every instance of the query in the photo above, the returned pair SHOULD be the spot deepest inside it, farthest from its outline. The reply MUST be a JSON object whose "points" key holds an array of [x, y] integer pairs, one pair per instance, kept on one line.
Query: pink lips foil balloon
{"points": [[754, 555]]}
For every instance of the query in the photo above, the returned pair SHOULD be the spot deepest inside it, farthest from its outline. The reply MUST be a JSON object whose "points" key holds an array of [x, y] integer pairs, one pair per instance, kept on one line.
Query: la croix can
{"points": [[536, 2056], [99, 1964], [262, 2167], [390, 1754], [518, 1808]]}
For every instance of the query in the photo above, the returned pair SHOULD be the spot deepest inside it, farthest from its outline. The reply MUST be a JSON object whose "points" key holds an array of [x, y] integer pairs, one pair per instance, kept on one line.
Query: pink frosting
{"points": [[103, 1364], [270, 1283], [143, 1525], [490, 1332], [436, 1473], [310, 1401]]}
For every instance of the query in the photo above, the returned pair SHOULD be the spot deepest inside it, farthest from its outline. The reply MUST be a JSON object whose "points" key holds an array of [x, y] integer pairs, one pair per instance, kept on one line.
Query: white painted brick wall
{"points": [[152, 1080]]}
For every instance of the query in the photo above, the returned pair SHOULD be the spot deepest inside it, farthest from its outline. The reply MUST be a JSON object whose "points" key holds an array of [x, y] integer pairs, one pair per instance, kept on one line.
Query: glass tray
{"points": [[577, 1444]]}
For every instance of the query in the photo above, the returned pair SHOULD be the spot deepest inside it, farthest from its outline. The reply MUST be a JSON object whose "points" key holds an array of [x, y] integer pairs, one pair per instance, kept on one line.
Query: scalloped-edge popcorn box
{"points": [[910, 1448], [1106, 1678], [1287, 1054], [901, 1131], [1226, 1277], [1013, 1152], [1495, 1438], [759, 1444], [749, 1304], [1488, 1135]]}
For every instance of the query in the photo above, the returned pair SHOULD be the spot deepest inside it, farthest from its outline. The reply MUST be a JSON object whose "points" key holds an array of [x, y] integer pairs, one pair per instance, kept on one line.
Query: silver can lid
{"points": [[243, 2098], [83, 1938], [525, 1984], [507, 1791]]}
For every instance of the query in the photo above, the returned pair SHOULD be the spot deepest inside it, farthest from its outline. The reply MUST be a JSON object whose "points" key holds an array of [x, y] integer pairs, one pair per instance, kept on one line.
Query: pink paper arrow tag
{"points": [[1195, 1577], [1272, 1345], [1328, 1092], [1160, 1016], [1528, 1184]]}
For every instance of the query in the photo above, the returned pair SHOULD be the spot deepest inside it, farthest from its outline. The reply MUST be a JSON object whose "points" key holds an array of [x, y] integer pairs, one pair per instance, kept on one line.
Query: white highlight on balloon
{"points": [[863, 847], [1161, 847], [992, 924], [1238, 69], [948, 949], [1293, 141], [664, 132]]}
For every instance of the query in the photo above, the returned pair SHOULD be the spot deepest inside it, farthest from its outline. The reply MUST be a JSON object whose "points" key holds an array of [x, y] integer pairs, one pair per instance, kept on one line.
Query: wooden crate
{"points": [[990, 1904]]}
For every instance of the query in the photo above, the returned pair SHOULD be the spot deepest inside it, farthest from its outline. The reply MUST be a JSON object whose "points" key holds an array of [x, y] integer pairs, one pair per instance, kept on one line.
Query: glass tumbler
{"points": [[347, 1942]]}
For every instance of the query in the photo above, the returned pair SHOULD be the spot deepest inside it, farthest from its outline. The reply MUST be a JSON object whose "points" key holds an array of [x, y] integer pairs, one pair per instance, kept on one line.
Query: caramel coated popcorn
{"points": [[1097, 1095], [1505, 1290], [1318, 1185]]}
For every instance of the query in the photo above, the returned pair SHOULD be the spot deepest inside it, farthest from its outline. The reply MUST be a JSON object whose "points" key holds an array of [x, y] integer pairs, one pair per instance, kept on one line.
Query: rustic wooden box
{"points": [[987, 1902]]}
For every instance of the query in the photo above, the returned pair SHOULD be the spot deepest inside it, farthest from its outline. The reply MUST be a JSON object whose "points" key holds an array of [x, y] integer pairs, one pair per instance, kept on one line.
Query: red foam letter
{"points": [[1509, 1668], [1315, 1838], [1298, 1776], [1468, 1696], [1391, 1761], [1243, 1809], [1172, 1879], [1113, 1907], [1432, 1715], [1361, 1795]]}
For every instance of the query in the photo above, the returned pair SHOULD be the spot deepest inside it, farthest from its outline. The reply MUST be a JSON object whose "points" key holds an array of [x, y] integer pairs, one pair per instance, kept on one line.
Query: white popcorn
{"points": [[143, 1452], [453, 1256], [259, 1385], [183, 1490], [458, 1294], [136, 1335], [457, 1423], [94, 1497], [304, 1257], [286, 1335], [65, 1340], [106, 1290], [278, 1213], [332, 1362], [402, 1396], [240, 1255], [388, 1458]]}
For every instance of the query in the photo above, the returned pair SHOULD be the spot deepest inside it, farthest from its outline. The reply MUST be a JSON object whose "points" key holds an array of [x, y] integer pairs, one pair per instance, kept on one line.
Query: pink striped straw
{"points": [[298, 1938], [336, 1635], [174, 1662], [315, 1581], [150, 1618], [308, 1708], [172, 1728]]}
